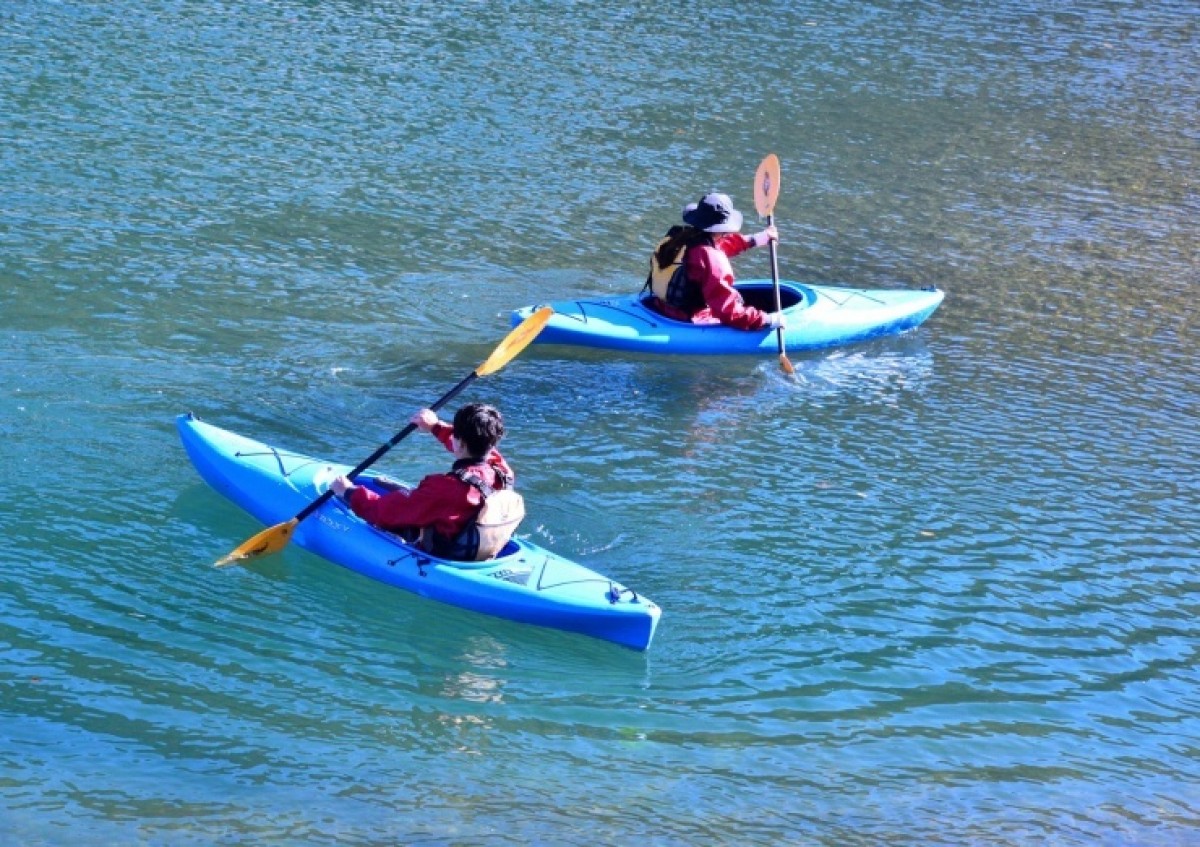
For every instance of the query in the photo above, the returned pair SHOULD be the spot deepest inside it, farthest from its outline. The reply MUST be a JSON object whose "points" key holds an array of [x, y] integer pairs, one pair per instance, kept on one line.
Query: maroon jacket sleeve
{"points": [[440, 501], [710, 267], [734, 244], [442, 432]]}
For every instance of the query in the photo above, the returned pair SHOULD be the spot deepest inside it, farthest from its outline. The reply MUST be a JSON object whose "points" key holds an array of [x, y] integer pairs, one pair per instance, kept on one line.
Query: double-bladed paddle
{"points": [[766, 192], [275, 538]]}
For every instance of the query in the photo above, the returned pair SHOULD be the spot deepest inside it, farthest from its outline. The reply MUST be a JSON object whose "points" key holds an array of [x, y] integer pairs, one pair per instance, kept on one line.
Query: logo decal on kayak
{"points": [[332, 522], [509, 575]]}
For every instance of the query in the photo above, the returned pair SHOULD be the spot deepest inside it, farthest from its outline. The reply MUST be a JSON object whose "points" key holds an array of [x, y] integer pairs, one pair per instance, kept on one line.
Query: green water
{"points": [[939, 590]]}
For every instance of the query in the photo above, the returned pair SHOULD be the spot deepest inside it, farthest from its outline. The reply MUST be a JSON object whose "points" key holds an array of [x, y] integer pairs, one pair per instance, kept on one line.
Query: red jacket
{"points": [[442, 501], [709, 268]]}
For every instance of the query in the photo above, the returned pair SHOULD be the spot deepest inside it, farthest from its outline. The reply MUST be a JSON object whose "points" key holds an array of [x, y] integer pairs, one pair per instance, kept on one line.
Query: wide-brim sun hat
{"points": [[714, 213]]}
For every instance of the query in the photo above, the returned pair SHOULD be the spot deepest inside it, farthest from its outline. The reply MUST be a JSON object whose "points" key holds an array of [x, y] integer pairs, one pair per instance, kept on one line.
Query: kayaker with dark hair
{"points": [[441, 511], [691, 278]]}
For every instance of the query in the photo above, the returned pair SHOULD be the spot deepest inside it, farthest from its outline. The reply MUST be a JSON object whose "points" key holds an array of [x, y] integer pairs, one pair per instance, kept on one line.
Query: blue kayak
{"points": [[524, 583], [818, 316]]}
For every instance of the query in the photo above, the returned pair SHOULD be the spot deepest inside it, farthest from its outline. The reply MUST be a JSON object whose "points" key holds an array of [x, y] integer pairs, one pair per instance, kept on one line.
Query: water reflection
{"points": [[482, 682]]}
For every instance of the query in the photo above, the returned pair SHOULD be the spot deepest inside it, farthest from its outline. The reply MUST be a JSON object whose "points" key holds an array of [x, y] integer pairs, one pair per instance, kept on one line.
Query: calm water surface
{"points": [[940, 589]]}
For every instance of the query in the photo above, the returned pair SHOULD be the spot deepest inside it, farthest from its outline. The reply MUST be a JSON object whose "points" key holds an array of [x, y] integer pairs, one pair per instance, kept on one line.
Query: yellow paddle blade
{"points": [[516, 341], [270, 540], [785, 364], [766, 186]]}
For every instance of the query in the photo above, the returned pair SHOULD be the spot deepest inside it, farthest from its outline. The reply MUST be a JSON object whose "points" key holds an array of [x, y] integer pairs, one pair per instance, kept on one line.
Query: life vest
{"points": [[485, 535], [670, 283]]}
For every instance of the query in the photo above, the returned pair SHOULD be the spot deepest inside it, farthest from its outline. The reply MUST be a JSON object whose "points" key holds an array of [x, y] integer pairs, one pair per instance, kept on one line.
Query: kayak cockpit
{"points": [[759, 294]]}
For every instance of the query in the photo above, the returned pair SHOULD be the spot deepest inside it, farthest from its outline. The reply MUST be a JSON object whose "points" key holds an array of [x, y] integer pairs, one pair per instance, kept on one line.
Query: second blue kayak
{"points": [[818, 316], [524, 583]]}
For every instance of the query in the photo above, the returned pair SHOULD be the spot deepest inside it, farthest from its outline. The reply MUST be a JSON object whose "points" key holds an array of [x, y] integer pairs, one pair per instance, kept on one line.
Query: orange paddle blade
{"points": [[766, 186], [785, 365], [270, 540]]}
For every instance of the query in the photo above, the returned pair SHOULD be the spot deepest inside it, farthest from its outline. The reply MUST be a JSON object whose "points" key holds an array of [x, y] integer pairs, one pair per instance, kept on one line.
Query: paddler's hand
{"points": [[762, 239], [340, 485], [775, 320], [424, 420]]}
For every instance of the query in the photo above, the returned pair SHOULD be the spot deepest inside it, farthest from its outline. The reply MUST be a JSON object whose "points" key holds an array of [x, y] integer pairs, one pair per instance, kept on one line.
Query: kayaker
{"points": [[691, 278], [440, 513]]}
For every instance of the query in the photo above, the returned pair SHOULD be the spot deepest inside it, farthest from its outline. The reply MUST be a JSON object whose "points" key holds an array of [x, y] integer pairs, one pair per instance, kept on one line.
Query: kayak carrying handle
{"points": [[615, 591]]}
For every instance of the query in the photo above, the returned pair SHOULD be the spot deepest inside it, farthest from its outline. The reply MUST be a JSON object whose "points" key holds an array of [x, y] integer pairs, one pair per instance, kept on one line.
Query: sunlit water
{"points": [[937, 589]]}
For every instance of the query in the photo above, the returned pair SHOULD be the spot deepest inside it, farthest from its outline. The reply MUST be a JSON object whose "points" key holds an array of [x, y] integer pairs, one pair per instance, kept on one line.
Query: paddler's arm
{"points": [[427, 420], [735, 243]]}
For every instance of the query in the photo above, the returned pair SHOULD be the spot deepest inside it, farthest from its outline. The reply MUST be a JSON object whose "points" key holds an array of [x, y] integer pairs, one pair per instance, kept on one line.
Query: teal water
{"points": [[941, 589]]}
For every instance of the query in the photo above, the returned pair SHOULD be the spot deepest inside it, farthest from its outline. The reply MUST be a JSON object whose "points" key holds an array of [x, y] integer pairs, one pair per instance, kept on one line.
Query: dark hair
{"points": [[479, 427], [680, 235]]}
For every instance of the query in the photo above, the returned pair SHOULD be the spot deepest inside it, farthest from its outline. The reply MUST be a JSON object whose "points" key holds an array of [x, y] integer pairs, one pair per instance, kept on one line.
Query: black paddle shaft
{"points": [[383, 448], [775, 282]]}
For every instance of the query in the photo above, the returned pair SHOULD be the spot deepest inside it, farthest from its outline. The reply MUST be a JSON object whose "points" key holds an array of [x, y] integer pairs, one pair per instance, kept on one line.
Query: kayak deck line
{"points": [[850, 296], [278, 454], [636, 314]]}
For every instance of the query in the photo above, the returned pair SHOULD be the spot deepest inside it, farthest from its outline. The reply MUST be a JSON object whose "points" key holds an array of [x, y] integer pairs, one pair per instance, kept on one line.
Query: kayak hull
{"points": [[817, 317], [525, 583]]}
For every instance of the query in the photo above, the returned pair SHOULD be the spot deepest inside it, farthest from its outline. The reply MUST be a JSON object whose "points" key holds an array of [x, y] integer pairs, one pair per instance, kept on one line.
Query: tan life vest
{"points": [[670, 283], [485, 535], [499, 516], [659, 280]]}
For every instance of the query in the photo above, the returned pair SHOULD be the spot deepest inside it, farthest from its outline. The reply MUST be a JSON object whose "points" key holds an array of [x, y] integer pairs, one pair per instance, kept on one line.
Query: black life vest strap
{"points": [[464, 474]]}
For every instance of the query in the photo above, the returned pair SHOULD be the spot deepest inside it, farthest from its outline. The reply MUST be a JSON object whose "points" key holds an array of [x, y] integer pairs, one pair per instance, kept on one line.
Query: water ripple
{"points": [[937, 589]]}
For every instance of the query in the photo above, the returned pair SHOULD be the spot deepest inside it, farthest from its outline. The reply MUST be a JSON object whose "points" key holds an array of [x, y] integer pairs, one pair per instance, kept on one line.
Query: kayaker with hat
{"points": [[691, 278]]}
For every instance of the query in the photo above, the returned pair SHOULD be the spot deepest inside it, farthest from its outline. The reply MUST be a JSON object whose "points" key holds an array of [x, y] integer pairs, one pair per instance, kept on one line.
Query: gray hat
{"points": [[714, 213]]}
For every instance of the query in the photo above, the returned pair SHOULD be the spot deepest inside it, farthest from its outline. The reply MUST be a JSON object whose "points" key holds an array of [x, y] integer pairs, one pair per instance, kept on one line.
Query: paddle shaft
{"points": [[775, 283], [408, 430]]}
